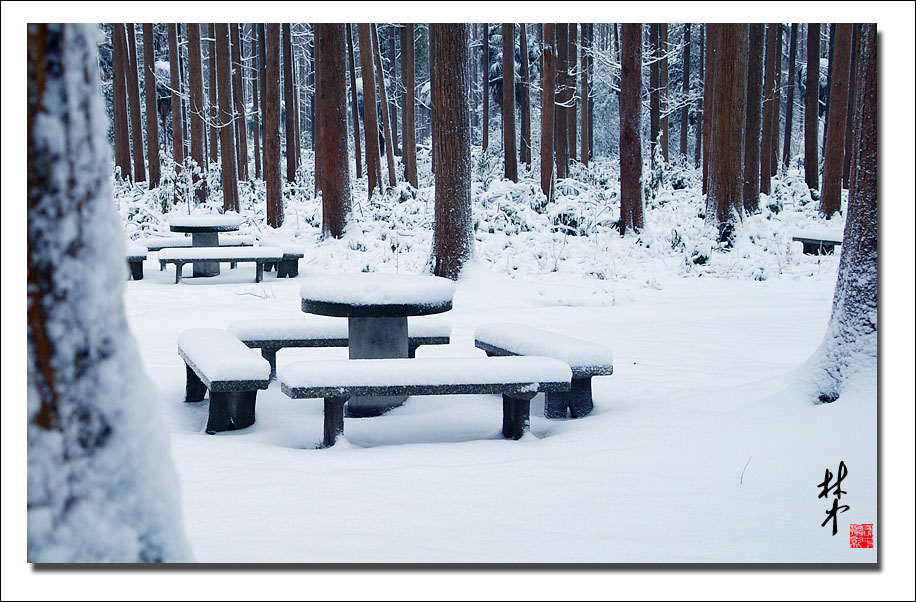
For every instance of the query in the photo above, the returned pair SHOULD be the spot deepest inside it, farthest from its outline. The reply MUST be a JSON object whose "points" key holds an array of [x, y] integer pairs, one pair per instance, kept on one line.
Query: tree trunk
{"points": [[591, 95], [383, 101], [270, 39], [830, 48], [654, 92], [152, 124], [790, 96], [832, 183], [395, 88], [686, 89], [370, 109], [175, 85], [226, 133], [571, 79], [509, 153], [120, 63], [752, 162], [726, 166], [631, 202], [698, 154], [256, 104], [408, 128], [214, 101], [196, 105], [584, 48], [548, 108], [777, 101], [485, 86], [851, 342], [663, 82], [769, 93], [133, 96], [292, 135], [525, 114], [263, 85], [563, 96], [331, 136], [453, 236], [708, 91], [357, 150], [850, 110], [811, 104], [238, 93], [101, 486], [432, 102]]}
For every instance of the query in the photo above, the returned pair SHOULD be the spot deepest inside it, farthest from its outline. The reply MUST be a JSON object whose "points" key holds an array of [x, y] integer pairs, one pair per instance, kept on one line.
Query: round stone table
{"points": [[376, 307], [204, 230]]}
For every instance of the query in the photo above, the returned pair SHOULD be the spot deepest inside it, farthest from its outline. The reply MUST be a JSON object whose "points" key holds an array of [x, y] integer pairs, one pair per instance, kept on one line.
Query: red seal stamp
{"points": [[861, 536]]}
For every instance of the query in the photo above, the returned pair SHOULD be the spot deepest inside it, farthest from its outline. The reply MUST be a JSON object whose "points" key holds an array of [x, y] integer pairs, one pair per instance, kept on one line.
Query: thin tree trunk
{"points": [[485, 86], [811, 104], [226, 132], [571, 79], [850, 109], [262, 84], [509, 153], [196, 104], [726, 166], [525, 147], [830, 47], [270, 43], [708, 91], [790, 96], [256, 104], [152, 123], [214, 101], [701, 113], [548, 108], [584, 47], [752, 173], [370, 110], [175, 84], [654, 92], [183, 78], [383, 101], [290, 103], [395, 88], [409, 129], [663, 82], [769, 102], [686, 89], [631, 201], [238, 93], [357, 150], [133, 96], [832, 184], [453, 236], [563, 95], [432, 103], [331, 136], [119, 91], [777, 101]]}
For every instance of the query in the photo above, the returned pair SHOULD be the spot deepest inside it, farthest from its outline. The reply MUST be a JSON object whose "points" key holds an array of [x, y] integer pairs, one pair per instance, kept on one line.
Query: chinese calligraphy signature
{"points": [[837, 490]]}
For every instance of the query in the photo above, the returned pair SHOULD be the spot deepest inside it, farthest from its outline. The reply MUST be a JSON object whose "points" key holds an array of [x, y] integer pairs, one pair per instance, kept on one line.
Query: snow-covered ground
{"points": [[704, 446]]}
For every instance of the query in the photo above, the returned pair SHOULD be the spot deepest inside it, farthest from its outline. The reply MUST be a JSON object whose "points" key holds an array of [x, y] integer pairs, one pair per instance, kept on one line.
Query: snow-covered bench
{"points": [[586, 360], [288, 267], [157, 243], [218, 361], [136, 255], [258, 255], [818, 243], [518, 379], [274, 334]]}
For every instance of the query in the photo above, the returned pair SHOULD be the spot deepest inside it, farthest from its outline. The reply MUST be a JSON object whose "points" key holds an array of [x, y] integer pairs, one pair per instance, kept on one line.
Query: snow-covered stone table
{"points": [[204, 231], [376, 307]]}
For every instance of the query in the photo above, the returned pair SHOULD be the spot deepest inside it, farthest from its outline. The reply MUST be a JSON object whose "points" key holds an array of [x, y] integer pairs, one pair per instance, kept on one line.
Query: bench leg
{"points": [[194, 389], [178, 267], [412, 350], [516, 415], [333, 420], [259, 272], [233, 265], [292, 268], [136, 270], [268, 266], [281, 269], [271, 356], [231, 410], [161, 267], [578, 399]]}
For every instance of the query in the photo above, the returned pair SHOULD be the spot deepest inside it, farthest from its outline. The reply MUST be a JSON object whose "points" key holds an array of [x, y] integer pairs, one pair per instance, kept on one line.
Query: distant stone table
{"points": [[376, 307], [204, 231]]}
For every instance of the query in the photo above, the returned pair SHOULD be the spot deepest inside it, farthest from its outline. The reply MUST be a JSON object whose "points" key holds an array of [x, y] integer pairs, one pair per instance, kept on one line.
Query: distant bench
{"points": [[288, 267], [136, 255], [157, 243], [274, 334], [585, 359], [257, 255], [518, 379], [218, 361], [818, 243]]}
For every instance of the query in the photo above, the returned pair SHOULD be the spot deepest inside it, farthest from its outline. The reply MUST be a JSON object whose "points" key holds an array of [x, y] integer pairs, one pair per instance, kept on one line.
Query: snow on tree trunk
{"points": [[133, 97], [510, 157], [453, 235], [175, 85], [812, 86], [370, 110], [631, 202], [850, 346], [292, 133], [383, 103], [548, 108], [226, 116], [357, 150], [238, 95], [149, 86], [769, 103], [271, 89], [832, 180], [790, 98], [101, 486], [408, 125], [752, 121], [198, 124], [563, 98]]}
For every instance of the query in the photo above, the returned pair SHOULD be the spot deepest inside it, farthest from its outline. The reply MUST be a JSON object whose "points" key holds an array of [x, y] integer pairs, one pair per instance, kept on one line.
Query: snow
{"points": [[526, 340], [378, 289], [225, 240], [424, 372], [325, 328], [822, 234], [230, 219], [132, 250], [221, 356], [225, 253]]}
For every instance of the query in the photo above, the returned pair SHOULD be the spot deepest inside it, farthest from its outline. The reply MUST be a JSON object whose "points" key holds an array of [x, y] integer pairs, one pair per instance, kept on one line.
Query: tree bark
{"points": [[226, 133], [395, 88], [631, 201], [591, 95], [432, 103], [357, 150], [133, 96], [453, 236], [292, 159], [331, 136], [408, 129], [238, 94], [509, 153], [263, 85], [790, 96], [830, 47], [548, 108], [119, 92], [698, 154], [811, 103], [769, 93], [832, 183], [584, 48], [175, 84], [777, 101], [726, 166], [708, 91], [563, 96], [370, 109], [663, 82], [152, 123], [752, 162], [256, 104], [271, 89], [383, 101], [571, 80], [850, 110], [214, 101], [525, 114], [485, 86], [686, 89], [196, 106], [654, 92]]}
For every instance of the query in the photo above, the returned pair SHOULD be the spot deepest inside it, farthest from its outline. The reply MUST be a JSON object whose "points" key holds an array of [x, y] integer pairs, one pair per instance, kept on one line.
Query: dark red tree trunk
{"points": [[563, 98], [525, 113], [292, 134], [584, 47], [271, 89], [196, 109], [357, 150], [769, 102], [485, 85], [811, 104], [152, 124], [226, 132], [631, 203], [175, 84], [383, 102], [119, 91], [752, 122], [654, 92], [548, 108], [850, 110], [708, 90], [510, 156], [214, 101], [832, 183], [370, 112], [133, 96], [685, 83], [698, 154], [409, 126], [790, 96], [256, 104], [238, 95]]}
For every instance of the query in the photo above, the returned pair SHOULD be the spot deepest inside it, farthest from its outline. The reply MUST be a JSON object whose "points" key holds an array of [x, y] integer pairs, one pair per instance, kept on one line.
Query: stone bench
{"points": [[585, 359], [157, 243], [517, 379], [257, 255], [219, 362], [288, 267], [818, 243], [274, 334], [136, 255]]}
